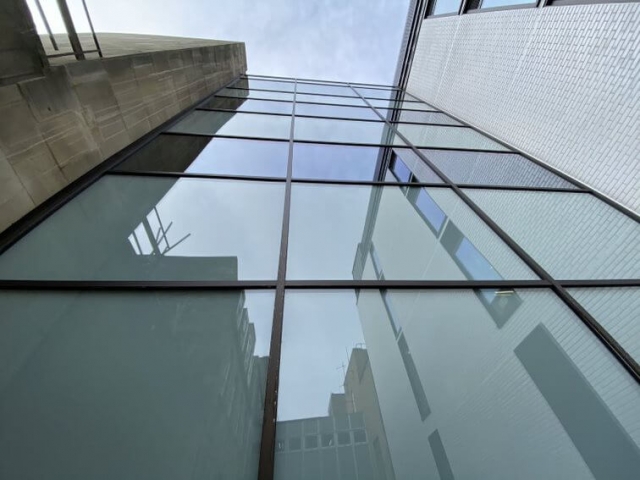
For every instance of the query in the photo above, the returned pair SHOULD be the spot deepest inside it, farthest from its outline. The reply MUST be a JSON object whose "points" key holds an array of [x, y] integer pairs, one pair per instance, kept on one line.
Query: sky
{"points": [[344, 40]]}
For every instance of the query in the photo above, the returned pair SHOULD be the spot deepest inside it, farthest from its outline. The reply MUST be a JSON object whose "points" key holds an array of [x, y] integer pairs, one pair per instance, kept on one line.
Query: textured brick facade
{"points": [[559, 83]]}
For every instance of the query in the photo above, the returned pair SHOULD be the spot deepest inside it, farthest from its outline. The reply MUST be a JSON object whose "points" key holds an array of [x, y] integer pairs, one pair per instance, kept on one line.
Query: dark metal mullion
{"points": [[36, 216], [601, 333], [46, 25], [521, 188], [319, 82], [554, 170], [268, 440]]}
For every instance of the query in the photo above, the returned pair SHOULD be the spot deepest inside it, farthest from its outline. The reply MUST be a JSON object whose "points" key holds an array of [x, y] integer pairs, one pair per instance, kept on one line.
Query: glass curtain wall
{"points": [[320, 280]]}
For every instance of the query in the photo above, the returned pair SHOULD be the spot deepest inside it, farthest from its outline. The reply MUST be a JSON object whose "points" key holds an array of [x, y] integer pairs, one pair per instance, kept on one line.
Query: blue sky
{"points": [[345, 40]]}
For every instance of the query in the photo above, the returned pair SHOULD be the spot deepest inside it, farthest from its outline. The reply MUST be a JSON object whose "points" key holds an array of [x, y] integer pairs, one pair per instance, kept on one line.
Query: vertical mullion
{"points": [[627, 361], [267, 445]]}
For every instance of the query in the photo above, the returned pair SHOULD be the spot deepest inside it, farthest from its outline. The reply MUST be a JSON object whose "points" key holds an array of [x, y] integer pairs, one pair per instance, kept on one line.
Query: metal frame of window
{"points": [[280, 285]]}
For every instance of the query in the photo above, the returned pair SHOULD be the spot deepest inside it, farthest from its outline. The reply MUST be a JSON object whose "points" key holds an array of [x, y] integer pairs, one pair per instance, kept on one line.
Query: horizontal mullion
{"points": [[599, 283], [152, 285], [521, 188]]}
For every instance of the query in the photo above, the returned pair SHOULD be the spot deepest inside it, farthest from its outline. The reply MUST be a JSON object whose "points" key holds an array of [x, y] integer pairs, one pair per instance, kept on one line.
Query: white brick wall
{"points": [[560, 83]]}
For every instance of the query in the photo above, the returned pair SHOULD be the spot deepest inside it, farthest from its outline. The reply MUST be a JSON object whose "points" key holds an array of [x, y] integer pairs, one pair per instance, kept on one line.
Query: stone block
{"points": [[22, 129], [50, 95]]}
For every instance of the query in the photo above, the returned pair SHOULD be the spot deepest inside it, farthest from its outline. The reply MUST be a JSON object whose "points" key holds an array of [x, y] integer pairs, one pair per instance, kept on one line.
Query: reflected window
{"points": [[407, 166], [295, 443], [168, 375], [212, 156], [328, 440], [151, 228], [253, 125]]}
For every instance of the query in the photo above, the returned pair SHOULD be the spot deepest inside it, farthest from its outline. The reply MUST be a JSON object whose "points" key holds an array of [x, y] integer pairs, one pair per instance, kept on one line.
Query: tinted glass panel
{"points": [[335, 162], [441, 391], [572, 235], [341, 131], [377, 93], [617, 310], [264, 84], [484, 168], [249, 105], [335, 111], [215, 156], [425, 117], [414, 233], [409, 105], [89, 378], [203, 122], [406, 159], [302, 97], [446, 6], [259, 94], [447, 137], [325, 89], [135, 228]]}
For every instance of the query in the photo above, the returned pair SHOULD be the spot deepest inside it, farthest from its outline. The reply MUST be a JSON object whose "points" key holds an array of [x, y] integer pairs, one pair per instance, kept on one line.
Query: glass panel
{"points": [[484, 168], [446, 6], [356, 101], [255, 94], [371, 93], [447, 137], [133, 385], [201, 122], [410, 105], [250, 105], [335, 162], [264, 84], [571, 235], [412, 233], [206, 155], [447, 385], [617, 310], [342, 131], [335, 111], [409, 167], [325, 89], [425, 117], [136, 228], [504, 3]]}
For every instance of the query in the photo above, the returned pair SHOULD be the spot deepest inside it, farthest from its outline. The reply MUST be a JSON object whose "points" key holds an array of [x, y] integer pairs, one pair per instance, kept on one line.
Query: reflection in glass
{"points": [[355, 101], [135, 228], [407, 166], [410, 104], [325, 89], [331, 226], [263, 84], [428, 387], [341, 131], [437, 136], [336, 162], [425, 117], [202, 122], [206, 155], [250, 105], [617, 310], [487, 168], [446, 6], [504, 3], [371, 93], [337, 111], [133, 385], [255, 94], [571, 235]]}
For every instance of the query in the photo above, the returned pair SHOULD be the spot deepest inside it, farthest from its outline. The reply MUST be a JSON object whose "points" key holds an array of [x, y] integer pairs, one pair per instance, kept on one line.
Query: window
{"points": [[201, 122], [311, 442], [344, 438]]}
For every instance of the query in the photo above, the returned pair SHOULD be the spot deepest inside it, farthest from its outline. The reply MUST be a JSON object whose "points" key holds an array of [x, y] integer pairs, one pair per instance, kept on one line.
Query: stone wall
{"points": [[55, 128]]}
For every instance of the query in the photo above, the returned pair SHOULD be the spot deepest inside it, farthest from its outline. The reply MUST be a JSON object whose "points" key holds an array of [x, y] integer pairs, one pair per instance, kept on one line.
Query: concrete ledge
{"points": [[57, 127]]}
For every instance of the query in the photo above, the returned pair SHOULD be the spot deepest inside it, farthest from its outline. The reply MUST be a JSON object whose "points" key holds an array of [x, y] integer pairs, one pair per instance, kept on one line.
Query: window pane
{"points": [[135, 228], [447, 137], [442, 391], [425, 117], [202, 122], [571, 235], [362, 232], [371, 93], [133, 385], [399, 104], [250, 105], [264, 84], [253, 94], [504, 3], [206, 155], [356, 101], [617, 310], [342, 131], [484, 168], [446, 6], [409, 167], [335, 111], [335, 162], [325, 89]]}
